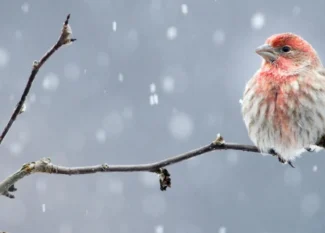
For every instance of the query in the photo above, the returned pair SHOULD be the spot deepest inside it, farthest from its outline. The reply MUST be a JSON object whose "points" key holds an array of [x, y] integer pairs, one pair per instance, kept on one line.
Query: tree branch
{"points": [[65, 38], [46, 166], [7, 186]]}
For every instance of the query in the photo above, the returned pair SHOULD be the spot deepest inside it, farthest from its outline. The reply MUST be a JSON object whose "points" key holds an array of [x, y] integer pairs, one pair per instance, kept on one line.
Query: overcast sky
{"points": [[149, 79]]}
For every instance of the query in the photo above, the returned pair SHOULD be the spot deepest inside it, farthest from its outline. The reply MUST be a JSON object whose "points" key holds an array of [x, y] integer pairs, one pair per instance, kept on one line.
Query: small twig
{"points": [[46, 166], [65, 38]]}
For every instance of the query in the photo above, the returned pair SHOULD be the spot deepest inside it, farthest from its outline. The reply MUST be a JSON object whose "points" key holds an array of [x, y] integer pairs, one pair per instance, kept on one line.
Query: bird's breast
{"points": [[272, 110]]}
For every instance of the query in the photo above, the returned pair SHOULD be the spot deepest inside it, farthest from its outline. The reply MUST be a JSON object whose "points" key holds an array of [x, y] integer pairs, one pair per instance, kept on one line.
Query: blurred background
{"points": [[146, 80]]}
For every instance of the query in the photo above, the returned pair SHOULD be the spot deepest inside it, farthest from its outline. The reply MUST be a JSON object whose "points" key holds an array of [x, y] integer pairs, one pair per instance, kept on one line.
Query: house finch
{"points": [[284, 102]]}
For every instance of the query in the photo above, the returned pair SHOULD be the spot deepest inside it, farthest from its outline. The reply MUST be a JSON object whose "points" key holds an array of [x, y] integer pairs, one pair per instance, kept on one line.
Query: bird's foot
{"points": [[282, 160], [272, 152], [309, 149]]}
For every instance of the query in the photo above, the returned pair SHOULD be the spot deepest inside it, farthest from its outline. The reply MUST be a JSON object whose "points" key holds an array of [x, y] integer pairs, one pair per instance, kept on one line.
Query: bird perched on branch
{"points": [[284, 102]]}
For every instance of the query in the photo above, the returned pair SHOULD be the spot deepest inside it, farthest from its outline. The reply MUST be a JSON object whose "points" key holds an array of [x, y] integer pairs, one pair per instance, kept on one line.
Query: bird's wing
{"points": [[321, 141]]}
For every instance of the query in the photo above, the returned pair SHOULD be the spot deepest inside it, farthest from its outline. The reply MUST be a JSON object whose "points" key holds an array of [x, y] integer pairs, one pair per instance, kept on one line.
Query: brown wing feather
{"points": [[321, 141]]}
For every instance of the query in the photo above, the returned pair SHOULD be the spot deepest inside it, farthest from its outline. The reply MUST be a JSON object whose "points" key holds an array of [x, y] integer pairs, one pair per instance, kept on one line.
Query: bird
{"points": [[283, 105]]}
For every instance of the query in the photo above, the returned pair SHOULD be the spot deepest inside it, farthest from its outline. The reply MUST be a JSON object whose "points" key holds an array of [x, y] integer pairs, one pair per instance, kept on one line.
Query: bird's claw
{"points": [[281, 160], [272, 152], [290, 163], [309, 149]]}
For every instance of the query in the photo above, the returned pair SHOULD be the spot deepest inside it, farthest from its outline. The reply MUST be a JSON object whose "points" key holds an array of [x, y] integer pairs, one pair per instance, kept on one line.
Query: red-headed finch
{"points": [[284, 102]]}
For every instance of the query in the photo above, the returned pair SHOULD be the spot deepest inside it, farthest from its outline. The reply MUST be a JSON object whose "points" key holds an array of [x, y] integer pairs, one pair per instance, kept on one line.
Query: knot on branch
{"points": [[43, 165], [35, 64], [219, 141], [105, 167], [22, 108], [28, 167]]}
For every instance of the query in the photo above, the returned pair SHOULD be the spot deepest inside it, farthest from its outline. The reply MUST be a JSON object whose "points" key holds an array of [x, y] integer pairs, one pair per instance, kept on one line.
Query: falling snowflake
{"points": [[219, 37], [18, 34], [4, 57], [120, 77], [43, 208], [16, 148], [113, 124], [153, 99], [310, 204], [176, 78], [51, 82], [222, 230], [171, 33], [72, 71], [296, 10], [101, 135], [25, 8], [159, 229], [258, 21], [181, 126], [152, 88], [114, 26], [168, 84], [184, 9]]}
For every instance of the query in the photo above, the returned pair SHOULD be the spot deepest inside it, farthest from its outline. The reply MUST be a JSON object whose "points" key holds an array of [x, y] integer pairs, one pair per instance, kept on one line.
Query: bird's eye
{"points": [[285, 49]]}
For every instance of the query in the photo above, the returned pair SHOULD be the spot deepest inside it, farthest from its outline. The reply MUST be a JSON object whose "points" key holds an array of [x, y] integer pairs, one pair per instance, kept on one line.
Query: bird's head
{"points": [[289, 52]]}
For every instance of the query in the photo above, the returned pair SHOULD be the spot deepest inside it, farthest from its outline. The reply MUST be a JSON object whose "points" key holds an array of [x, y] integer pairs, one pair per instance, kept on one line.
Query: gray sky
{"points": [[149, 79]]}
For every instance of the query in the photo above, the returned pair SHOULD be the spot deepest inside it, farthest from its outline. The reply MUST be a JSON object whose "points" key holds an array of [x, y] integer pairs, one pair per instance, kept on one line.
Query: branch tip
{"points": [[65, 38], [66, 22]]}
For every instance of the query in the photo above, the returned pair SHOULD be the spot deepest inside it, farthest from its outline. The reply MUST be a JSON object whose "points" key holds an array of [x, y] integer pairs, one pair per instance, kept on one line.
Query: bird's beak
{"points": [[267, 52]]}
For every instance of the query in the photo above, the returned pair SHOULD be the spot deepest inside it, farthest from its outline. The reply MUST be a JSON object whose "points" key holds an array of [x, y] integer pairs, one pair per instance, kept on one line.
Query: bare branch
{"points": [[7, 186], [46, 166], [65, 38]]}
